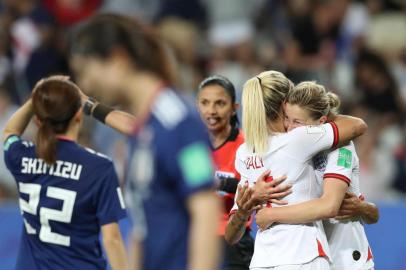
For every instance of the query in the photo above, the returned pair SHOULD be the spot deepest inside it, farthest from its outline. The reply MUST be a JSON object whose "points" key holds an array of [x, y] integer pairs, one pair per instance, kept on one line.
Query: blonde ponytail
{"points": [[262, 100], [254, 122]]}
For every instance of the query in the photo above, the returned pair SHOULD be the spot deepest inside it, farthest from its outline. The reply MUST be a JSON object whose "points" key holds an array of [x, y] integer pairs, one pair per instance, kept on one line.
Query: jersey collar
{"points": [[142, 119], [64, 138], [232, 137]]}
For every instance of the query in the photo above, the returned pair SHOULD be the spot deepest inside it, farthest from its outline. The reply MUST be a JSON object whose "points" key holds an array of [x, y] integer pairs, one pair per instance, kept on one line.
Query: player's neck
{"points": [[71, 134], [141, 91], [217, 138]]}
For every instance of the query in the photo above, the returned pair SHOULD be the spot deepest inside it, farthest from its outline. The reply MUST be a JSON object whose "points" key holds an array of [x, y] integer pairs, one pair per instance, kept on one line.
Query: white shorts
{"points": [[320, 263]]}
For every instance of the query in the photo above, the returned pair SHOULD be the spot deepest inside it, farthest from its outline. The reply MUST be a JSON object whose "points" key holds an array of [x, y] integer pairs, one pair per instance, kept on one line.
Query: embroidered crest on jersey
{"points": [[195, 163], [9, 142], [344, 158], [320, 161], [315, 129]]}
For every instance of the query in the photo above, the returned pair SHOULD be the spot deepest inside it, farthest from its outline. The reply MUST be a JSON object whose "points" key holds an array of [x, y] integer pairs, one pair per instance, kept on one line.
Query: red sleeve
{"points": [[335, 131]]}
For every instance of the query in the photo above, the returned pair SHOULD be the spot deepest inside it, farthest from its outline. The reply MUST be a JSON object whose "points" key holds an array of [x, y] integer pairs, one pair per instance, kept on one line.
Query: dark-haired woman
{"points": [[170, 176], [216, 101], [68, 194]]}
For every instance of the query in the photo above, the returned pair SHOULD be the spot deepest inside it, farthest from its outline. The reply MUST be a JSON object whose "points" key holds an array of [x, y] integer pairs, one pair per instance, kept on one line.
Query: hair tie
{"points": [[259, 79]]}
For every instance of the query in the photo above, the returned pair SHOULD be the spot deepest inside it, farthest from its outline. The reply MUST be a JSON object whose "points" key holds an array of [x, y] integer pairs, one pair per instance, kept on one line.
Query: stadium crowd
{"points": [[356, 48]]}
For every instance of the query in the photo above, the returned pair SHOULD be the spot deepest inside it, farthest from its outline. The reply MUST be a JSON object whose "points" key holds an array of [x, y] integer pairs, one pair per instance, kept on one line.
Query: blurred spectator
{"points": [[377, 86], [231, 35], [69, 12], [184, 38], [145, 10], [315, 28], [191, 10]]}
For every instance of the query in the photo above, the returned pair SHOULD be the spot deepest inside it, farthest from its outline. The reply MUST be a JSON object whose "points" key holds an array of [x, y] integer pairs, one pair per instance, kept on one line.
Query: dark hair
{"points": [[102, 33], [55, 103], [228, 86]]}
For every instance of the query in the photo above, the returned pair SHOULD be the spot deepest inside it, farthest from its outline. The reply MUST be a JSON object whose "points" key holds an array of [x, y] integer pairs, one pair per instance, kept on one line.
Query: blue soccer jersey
{"points": [[64, 205], [170, 161]]}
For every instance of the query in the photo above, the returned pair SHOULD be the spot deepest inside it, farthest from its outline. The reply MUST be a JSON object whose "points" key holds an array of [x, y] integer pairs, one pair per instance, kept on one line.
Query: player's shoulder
{"points": [[344, 156], [348, 148], [172, 110], [242, 151], [15, 140], [92, 156], [309, 129]]}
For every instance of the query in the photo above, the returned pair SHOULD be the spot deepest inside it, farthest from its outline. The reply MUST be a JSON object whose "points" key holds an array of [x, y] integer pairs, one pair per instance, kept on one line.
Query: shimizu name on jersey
{"points": [[61, 168]]}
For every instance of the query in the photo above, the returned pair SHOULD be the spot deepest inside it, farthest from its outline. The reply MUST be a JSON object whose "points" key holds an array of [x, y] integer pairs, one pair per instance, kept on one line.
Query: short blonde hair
{"points": [[314, 98], [262, 100]]}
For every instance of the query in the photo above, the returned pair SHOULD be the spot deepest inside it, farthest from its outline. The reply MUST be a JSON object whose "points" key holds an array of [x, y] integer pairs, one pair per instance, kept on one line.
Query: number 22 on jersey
{"points": [[46, 214]]}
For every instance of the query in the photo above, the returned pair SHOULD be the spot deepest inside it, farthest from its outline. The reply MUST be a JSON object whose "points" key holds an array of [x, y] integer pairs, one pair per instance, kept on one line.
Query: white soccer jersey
{"points": [[289, 154], [347, 239]]}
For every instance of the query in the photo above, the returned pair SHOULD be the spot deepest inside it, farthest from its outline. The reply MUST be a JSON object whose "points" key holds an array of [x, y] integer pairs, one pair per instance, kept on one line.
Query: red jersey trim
{"points": [[335, 132], [370, 256], [320, 249], [64, 138], [337, 176]]}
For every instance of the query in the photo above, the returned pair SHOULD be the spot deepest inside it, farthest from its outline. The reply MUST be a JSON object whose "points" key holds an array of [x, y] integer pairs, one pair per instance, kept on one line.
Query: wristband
{"points": [[101, 111], [228, 185], [88, 106]]}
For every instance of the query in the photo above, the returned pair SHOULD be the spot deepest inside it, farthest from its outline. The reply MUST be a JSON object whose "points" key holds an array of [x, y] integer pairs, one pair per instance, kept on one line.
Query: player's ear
{"points": [[323, 119], [37, 122], [78, 115]]}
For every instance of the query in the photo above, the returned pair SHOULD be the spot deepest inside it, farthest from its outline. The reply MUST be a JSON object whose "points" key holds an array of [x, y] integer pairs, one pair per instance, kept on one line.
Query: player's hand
{"points": [[273, 191], [263, 219], [350, 207], [244, 200]]}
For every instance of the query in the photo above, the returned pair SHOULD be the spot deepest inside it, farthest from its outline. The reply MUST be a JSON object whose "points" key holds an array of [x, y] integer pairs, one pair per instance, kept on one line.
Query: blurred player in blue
{"points": [[170, 175], [68, 194]]}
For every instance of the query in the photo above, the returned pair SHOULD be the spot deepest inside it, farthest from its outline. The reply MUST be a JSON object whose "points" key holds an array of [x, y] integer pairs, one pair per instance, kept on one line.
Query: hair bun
{"points": [[334, 102]]}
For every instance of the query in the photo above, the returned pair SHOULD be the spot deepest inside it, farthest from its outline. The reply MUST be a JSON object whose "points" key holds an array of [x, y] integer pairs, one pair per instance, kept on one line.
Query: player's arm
{"points": [[204, 245], [114, 246], [326, 206], [121, 121], [250, 199], [19, 121], [236, 224], [353, 206], [348, 127]]}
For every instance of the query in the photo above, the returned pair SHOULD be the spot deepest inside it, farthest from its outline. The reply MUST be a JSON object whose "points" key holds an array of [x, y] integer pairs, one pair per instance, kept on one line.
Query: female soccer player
{"points": [[217, 106], [67, 193], [284, 246], [170, 176], [309, 104]]}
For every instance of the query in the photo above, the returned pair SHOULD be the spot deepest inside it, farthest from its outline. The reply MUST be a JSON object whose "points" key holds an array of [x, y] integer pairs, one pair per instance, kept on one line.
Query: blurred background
{"points": [[357, 49]]}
